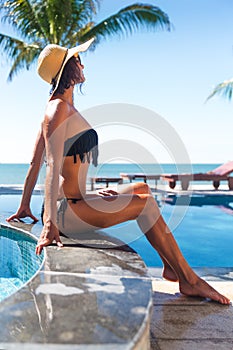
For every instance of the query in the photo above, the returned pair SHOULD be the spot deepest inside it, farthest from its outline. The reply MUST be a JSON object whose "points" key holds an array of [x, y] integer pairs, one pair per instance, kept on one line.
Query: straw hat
{"points": [[53, 58]]}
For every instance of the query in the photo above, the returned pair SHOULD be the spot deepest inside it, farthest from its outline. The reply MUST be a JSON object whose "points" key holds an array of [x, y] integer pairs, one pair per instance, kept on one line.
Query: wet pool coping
{"points": [[95, 292]]}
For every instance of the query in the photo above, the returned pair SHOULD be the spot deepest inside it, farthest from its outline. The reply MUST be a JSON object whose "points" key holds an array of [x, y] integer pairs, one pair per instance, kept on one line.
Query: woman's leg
{"points": [[102, 212], [163, 241], [142, 188]]}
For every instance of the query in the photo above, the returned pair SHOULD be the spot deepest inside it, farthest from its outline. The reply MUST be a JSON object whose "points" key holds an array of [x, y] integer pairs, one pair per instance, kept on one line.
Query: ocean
{"points": [[15, 173]]}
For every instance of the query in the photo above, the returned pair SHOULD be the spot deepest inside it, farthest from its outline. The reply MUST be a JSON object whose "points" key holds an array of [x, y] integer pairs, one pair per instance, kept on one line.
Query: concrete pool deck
{"points": [[176, 322], [182, 323]]}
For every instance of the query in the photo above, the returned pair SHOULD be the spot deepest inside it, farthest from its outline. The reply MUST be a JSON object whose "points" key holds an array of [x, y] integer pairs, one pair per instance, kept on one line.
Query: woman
{"points": [[70, 144]]}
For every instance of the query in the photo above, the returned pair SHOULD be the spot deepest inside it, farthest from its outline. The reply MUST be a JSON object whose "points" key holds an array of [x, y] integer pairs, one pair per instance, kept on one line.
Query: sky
{"points": [[167, 73]]}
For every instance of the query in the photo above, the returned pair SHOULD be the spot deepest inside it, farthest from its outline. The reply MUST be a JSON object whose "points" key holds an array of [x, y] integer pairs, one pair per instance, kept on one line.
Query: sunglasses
{"points": [[78, 59]]}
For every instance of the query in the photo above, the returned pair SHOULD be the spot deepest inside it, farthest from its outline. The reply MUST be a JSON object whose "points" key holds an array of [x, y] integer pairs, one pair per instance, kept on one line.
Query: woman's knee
{"points": [[149, 205], [141, 187], [149, 215]]}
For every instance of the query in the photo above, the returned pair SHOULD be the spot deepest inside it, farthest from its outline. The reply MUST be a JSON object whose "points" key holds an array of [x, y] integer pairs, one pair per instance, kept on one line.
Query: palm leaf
{"points": [[66, 20], [224, 89], [129, 19], [79, 21], [21, 53], [24, 17], [24, 60]]}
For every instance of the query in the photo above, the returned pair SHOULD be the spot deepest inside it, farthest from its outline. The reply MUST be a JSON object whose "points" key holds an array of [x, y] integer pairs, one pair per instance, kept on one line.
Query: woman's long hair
{"points": [[71, 75]]}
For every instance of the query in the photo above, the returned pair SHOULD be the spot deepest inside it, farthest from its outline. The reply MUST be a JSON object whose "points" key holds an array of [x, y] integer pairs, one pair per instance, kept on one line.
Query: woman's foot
{"points": [[169, 274], [200, 288]]}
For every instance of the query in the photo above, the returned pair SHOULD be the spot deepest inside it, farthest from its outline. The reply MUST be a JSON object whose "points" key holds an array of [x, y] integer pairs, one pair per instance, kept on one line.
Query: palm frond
{"points": [[224, 89], [80, 18], [76, 36], [57, 18], [23, 16], [88, 8], [21, 53], [24, 60], [129, 19]]}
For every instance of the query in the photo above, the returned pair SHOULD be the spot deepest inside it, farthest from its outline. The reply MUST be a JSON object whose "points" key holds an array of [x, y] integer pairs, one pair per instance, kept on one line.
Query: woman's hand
{"points": [[23, 212], [107, 193], [48, 235]]}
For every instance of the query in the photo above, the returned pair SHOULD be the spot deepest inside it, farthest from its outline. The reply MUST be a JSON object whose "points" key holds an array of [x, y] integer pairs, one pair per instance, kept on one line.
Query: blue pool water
{"points": [[18, 262], [202, 226], [204, 231]]}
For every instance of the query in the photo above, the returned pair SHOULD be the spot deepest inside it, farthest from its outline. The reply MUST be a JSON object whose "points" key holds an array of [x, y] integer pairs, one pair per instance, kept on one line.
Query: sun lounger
{"points": [[216, 175], [138, 176]]}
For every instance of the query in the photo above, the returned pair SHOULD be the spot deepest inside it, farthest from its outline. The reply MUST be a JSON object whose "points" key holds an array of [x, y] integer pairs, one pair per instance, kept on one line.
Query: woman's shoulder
{"points": [[57, 104], [57, 109]]}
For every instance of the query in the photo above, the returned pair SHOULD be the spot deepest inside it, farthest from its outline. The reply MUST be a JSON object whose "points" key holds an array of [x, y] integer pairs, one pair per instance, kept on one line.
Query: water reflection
{"points": [[224, 203]]}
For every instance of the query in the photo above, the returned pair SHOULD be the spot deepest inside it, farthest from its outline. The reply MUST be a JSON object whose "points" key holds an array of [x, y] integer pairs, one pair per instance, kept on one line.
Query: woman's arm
{"points": [[54, 129], [30, 181]]}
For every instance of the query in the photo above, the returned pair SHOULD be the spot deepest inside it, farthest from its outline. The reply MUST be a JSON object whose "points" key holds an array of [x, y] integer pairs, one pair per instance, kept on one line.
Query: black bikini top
{"points": [[84, 144]]}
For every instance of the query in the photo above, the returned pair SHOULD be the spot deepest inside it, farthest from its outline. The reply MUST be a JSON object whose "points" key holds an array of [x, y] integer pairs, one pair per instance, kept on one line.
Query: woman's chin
{"points": [[82, 80]]}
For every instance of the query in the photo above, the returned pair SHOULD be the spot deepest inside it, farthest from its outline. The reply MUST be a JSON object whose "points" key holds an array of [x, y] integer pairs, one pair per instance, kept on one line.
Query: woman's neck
{"points": [[67, 96]]}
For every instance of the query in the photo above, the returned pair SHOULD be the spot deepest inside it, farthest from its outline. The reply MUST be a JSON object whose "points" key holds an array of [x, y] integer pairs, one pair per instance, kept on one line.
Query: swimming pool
{"points": [[18, 262], [204, 233], [202, 226]]}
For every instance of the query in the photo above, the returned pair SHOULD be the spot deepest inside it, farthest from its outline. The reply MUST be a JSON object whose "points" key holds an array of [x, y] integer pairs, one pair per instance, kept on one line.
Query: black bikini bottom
{"points": [[61, 208]]}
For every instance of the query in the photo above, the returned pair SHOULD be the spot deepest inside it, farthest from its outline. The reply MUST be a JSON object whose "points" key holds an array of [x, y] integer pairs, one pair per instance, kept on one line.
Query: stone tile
{"points": [[98, 261], [154, 344], [192, 322], [69, 309], [193, 345], [185, 323]]}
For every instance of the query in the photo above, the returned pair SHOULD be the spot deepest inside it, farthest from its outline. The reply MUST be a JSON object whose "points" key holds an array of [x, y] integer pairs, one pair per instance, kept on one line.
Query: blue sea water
{"points": [[15, 173]]}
